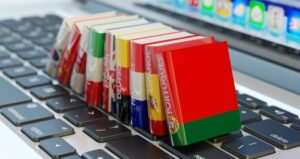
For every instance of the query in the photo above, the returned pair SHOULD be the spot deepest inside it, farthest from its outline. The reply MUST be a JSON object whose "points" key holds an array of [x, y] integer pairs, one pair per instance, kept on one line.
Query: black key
{"points": [[52, 28], [3, 54], [26, 27], [119, 148], [47, 129], [96, 154], [33, 81], [72, 157], [7, 40], [250, 102], [26, 113], [34, 33], [11, 95], [49, 91], [19, 47], [84, 116], [274, 133], [248, 116], [31, 54], [227, 137], [9, 62], [57, 148], [200, 150], [39, 62], [248, 147], [296, 125], [135, 147], [278, 114], [106, 130], [47, 40], [62, 104], [18, 72]]}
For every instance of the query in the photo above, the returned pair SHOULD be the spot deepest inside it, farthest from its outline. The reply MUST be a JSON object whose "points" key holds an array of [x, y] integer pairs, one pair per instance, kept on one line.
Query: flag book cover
{"points": [[189, 78]]}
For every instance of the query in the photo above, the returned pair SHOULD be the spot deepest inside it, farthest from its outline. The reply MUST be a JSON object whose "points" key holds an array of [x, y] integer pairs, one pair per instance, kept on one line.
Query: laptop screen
{"points": [[273, 20]]}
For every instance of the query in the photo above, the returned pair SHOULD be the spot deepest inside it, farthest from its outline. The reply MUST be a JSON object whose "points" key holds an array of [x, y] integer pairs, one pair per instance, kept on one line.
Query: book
{"points": [[95, 62], [109, 81], [77, 80], [188, 88], [62, 38], [122, 55], [139, 109]]}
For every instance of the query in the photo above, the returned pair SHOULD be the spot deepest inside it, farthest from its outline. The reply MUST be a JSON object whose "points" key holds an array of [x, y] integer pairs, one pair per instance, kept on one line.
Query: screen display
{"points": [[267, 19]]}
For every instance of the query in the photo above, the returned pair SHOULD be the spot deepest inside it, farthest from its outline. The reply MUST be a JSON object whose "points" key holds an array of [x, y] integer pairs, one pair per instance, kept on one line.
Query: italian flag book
{"points": [[198, 93]]}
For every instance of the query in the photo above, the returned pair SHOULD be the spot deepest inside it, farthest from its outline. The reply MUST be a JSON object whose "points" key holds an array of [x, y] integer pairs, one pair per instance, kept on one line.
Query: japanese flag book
{"points": [[189, 80], [157, 121], [139, 110]]}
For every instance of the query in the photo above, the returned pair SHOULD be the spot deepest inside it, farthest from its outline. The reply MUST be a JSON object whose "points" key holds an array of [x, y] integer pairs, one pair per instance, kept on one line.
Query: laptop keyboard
{"points": [[27, 43]]}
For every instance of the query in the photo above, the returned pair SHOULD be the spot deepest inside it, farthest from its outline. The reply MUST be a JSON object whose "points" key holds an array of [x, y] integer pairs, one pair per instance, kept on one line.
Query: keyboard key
{"points": [[248, 147], [296, 125], [49, 91], [62, 104], [31, 54], [47, 40], [39, 62], [47, 129], [33, 81], [278, 114], [250, 102], [135, 147], [248, 116], [57, 148], [96, 154], [4, 54], [105, 130], [201, 150], [26, 113], [10, 22], [72, 157], [9, 62], [19, 47], [7, 40], [18, 72], [84, 116], [11, 95], [274, 133], [227, 137]]}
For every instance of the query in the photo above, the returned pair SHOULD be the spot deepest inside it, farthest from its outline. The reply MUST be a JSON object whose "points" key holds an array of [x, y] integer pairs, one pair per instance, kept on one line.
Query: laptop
{"points": [[265, 57]]}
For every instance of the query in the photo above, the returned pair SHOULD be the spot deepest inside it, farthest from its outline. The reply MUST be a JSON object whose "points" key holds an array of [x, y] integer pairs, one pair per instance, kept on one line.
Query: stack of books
{"points": [[160, 80]]}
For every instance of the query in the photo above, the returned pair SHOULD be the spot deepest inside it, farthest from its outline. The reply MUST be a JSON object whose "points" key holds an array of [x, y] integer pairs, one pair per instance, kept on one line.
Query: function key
{"points": [[26, 113], [62, 104], [227, 137], [198, 150], [39, 62], [57, 148], [274, 133], [18, 72], [47, 129], [278, 114], [9, 62], [248, 116], [250, 102], [248, 147], [50, 91], [84, 116], [31, 54], [33, 81], [97, 154], [105, 130], [135, 147]]}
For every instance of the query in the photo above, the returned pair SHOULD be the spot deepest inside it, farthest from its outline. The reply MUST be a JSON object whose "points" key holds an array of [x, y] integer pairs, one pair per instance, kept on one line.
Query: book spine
{"points": [[112, 77], [94, 69], [156, 113], [139, 112], [77, 82], [57, 51], [106, 73], [122, 81], [69, 56]]}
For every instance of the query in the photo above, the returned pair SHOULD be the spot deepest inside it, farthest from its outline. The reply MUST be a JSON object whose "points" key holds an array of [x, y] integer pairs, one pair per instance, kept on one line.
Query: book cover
{"points": [[139, 110], [157, 121], [184, 80]]}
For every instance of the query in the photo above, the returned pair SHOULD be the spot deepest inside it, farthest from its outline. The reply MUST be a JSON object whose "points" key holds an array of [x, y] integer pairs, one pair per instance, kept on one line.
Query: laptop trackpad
{"points": [[12, 146]]}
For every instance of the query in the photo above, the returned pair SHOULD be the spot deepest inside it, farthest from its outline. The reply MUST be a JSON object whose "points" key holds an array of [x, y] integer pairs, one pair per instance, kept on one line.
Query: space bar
{"points": [[10, 95]]}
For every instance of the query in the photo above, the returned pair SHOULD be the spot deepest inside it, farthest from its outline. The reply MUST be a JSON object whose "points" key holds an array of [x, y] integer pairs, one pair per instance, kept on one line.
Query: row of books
{"points": [[149, 75]]}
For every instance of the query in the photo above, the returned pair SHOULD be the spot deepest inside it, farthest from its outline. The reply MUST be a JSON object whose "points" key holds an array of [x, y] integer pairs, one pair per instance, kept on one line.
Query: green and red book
{"points": [[198, 93]]}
